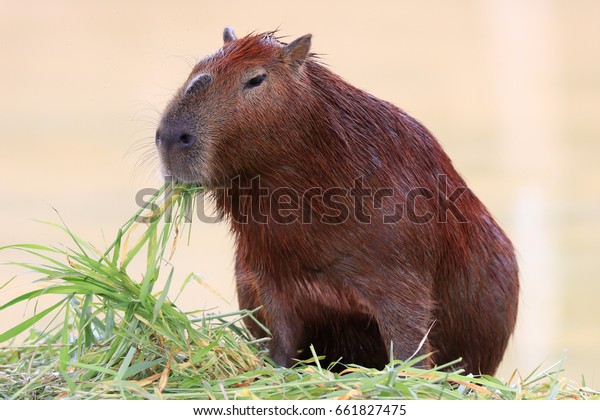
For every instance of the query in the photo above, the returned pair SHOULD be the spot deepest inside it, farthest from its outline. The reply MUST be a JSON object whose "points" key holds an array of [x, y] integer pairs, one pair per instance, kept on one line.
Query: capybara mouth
{"points": [[186, 178], [180, 173]]}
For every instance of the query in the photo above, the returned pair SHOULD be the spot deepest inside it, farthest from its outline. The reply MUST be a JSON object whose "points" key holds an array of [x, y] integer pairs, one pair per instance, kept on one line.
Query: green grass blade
{"points": [[93, 368], [13, 332], [8, 282], [140, 367], [161, 298], [125, 364]]}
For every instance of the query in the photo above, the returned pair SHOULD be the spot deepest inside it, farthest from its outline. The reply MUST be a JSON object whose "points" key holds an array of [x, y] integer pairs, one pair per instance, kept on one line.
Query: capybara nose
{"points": [[174, 139]]}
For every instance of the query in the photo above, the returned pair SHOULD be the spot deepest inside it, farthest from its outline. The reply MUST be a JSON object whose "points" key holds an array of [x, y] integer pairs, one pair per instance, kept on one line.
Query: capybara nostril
{"points": [[157, 138], [171, 137]]}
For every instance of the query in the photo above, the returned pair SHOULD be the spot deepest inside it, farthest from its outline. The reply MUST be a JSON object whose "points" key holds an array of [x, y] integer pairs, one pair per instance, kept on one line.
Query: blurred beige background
{"points": [[511, 89]]}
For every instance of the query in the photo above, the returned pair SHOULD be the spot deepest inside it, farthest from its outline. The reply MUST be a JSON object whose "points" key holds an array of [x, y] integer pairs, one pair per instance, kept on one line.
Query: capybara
{"points": [[353, 231]]}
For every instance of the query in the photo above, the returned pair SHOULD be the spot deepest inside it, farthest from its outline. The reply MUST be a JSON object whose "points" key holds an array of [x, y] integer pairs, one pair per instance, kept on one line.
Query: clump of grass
{"points": [[110, 336]]}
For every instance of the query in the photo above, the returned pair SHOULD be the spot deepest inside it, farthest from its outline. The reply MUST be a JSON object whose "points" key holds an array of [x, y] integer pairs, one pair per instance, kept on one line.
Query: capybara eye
{"points": [[255, 81]]}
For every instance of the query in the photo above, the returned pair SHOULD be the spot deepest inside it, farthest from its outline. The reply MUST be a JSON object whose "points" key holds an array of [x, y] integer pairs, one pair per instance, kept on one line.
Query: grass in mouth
{"points": [[110, 336]]}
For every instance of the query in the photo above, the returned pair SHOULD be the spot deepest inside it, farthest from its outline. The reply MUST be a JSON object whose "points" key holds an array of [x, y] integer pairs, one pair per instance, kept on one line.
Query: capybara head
{"points": [[250, 90]]}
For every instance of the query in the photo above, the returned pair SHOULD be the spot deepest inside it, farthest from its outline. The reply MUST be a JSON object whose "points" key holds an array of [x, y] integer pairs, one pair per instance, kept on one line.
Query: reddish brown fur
{"points": [[349, 288]]}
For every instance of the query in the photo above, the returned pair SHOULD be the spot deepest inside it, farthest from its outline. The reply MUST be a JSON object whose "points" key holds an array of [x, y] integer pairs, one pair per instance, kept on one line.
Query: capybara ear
{"points": [[228, 35], [297, 51]]}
